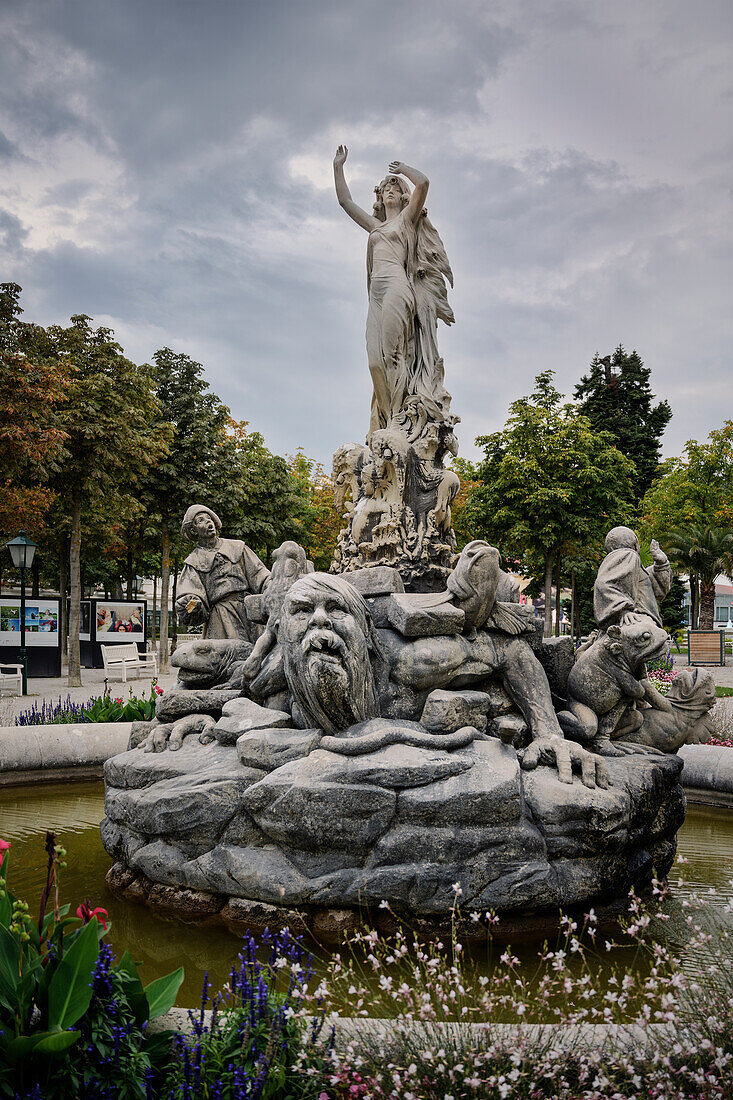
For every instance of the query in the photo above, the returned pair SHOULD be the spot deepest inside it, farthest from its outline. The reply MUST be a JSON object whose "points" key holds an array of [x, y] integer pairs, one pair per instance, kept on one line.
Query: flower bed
{"points": [[101, 708]]}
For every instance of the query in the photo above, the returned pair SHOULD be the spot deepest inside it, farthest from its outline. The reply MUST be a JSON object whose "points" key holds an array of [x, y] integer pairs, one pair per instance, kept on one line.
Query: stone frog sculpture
{"points": [[687, 721], [607, 681], [209, 675]]}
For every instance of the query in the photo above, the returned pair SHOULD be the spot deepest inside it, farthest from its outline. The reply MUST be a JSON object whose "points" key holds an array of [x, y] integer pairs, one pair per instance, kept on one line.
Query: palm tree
{"points": [[704, 552]]}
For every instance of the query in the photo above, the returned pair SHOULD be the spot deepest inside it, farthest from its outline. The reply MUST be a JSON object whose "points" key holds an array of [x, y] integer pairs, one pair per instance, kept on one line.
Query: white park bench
{"points": [[125, 657], [11, 676]]}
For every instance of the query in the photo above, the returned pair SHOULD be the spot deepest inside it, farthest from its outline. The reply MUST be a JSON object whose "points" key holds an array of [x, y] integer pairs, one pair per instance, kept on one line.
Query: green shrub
{"points": [[72, 1022]]}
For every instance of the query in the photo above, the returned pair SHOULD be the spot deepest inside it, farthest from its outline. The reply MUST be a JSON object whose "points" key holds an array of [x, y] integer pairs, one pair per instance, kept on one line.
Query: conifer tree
{"points": [[615, 395]]}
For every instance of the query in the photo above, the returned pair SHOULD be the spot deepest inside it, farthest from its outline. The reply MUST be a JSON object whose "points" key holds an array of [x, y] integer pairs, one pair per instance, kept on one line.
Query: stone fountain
{"points": [[397, 730]]}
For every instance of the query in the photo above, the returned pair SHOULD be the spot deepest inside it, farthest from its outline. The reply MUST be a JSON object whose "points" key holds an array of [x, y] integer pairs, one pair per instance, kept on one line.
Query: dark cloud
{"points": [[168, 173], [8, 149]]}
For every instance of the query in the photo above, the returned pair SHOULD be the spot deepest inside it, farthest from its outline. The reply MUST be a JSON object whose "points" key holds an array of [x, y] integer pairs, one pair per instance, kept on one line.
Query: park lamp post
{"points": [[22, 551]]}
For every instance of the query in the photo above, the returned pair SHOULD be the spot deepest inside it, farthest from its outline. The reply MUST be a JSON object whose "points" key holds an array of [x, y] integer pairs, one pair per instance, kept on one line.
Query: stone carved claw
{"points": [[567, 757]]}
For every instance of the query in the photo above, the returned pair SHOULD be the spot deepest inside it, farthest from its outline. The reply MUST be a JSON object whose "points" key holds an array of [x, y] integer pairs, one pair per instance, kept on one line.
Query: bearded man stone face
{"points": [[331, 652]]}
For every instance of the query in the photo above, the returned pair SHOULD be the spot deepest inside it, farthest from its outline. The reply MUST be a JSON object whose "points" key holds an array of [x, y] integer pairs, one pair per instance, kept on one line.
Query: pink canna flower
{"points": [[85, 913], [4, 845]]}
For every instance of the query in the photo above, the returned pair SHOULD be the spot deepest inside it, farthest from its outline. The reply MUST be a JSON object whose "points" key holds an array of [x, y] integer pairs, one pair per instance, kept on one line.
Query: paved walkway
{"points": [[721, 675]]}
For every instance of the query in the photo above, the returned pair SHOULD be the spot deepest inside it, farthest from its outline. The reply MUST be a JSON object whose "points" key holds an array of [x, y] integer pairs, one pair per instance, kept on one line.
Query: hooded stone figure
{"points": [[623, 586], [216, 577]]}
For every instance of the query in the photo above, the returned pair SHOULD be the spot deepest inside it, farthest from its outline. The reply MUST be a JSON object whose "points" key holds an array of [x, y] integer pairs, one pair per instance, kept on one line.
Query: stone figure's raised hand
{"points": [[341, 154], [397, 167], [567, 756], [657, 553]]}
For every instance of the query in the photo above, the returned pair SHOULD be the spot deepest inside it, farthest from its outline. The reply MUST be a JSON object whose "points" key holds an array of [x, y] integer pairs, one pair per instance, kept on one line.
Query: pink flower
{"points": [[85, 914], [118, 700], [4, 845]]}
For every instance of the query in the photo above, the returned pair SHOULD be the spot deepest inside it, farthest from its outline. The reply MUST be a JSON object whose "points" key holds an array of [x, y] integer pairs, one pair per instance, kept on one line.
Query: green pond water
{"points": [[74, 812]]}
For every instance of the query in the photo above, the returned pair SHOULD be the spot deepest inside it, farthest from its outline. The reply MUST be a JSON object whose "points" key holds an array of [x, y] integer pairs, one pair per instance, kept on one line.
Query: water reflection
{"points": [[74, 813]]}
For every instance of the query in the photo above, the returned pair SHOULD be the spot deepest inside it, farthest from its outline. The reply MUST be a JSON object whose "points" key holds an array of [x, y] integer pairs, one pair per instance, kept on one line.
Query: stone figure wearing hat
{"points": [[216, 577], [623, 586]]}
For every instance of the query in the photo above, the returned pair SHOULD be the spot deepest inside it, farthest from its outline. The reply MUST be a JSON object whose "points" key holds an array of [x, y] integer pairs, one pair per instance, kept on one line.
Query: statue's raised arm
{"points": [[421, 183], [355, 212]]}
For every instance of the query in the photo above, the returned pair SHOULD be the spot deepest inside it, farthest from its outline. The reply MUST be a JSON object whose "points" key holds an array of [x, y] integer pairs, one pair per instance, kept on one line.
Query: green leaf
{"points": [[161, 993], [6, 901], [126, 969], [54, 1042], [9, 968], [42, 1042], [70, 991]]}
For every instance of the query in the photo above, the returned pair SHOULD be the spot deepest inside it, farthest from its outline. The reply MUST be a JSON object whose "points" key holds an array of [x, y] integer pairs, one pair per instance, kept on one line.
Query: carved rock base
{"points": [[402, 824]]}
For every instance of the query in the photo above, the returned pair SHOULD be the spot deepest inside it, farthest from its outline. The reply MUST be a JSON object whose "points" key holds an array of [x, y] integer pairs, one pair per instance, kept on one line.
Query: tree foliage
{"points": [[616, 397], [696, 488], [703, 552], [108, 415], [321, 521], [31, 436], [692, 492], [549, 482]]}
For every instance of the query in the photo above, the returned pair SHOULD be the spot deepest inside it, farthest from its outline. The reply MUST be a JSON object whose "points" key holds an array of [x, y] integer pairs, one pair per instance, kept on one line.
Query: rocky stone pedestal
{"points": [[217, 827]]}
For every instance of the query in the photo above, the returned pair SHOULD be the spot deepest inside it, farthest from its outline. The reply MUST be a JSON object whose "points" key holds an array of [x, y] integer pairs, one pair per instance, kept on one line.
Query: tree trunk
{"points": [[74, 674], [130, 575], [64, 613], [558, 586], [572, 605], [707, 604], [694, 601], [165, 571], [548, 593], [174, 640], [35, 579], [154, 625]]}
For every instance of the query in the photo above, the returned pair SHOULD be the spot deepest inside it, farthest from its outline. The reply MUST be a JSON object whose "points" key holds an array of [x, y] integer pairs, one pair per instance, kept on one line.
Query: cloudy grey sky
{"points": [[165, 166]]}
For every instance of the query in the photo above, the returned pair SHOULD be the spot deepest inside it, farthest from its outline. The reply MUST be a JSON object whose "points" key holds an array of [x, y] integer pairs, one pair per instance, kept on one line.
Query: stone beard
{"points": [[332, 655]]}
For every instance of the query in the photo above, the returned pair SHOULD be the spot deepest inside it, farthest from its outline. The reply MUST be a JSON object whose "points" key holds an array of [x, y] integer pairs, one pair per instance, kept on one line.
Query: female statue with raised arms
{"points": [[406, 272]]}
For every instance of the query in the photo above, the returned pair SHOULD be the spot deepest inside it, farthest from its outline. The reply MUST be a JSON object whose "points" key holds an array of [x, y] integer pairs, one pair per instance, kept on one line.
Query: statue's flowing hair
{"points": [[429, 272]]}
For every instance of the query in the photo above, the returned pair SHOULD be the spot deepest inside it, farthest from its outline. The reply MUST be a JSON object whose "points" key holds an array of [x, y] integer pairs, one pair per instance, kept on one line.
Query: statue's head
{"points": [[393, 190], [622, 538], [289, 561], [693, 689], [200, 524], [474, 582], [332, 655]]}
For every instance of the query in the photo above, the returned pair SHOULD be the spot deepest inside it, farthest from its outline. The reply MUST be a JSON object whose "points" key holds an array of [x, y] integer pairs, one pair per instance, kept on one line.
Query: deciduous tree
{"points": [[108, 415], [194, 468], [31, 436], [550, 483], [693, 491]]}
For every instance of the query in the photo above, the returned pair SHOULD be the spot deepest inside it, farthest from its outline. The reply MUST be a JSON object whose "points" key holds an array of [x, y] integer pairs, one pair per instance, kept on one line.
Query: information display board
{"points": [[41, 621], [117, 620], [42, 633], [112, 622]]}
